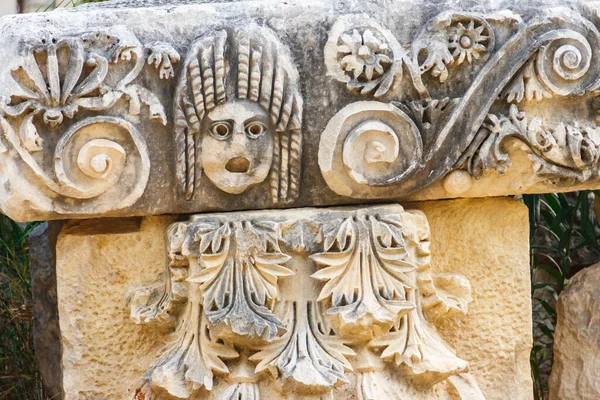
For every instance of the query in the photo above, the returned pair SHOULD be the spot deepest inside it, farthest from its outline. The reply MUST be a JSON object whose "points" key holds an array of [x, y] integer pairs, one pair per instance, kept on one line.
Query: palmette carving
{"points": [[93, 159], [241, 295]]}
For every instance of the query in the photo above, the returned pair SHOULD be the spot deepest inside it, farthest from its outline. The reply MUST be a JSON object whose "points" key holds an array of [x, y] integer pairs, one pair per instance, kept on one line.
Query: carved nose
{"points": [[239, 165]]}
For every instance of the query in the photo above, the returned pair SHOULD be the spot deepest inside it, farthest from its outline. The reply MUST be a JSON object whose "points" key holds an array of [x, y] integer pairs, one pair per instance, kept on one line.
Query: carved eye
{"points": [[221, 130], [255, 129]]}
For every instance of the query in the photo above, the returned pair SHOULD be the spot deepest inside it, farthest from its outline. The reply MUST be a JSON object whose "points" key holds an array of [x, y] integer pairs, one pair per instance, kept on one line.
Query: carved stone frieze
{"points": [[98, 162], [230, 108], [548, 56], [306, 300]]}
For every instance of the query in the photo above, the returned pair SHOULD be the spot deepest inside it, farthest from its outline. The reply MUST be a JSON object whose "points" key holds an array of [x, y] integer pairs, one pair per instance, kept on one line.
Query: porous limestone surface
{"points": [[137, 108], [487, 241], [470, 306], [576, 346]]}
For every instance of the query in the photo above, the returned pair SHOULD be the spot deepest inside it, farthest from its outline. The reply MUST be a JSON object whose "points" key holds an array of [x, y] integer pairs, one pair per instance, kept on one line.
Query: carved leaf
{"points": [[525, 86], [445, 294], [163, 56], [374, 386], [413, 343], [29, 135], [241, 391], [241, 265], [365, 276], [305, 355], [138, 95], [189, 361], [466, 387], [566, 152]]}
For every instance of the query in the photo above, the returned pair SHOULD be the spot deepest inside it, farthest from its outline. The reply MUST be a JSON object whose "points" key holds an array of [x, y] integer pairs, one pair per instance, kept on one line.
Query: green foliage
{"points": [[19, 378], [561, 225]]}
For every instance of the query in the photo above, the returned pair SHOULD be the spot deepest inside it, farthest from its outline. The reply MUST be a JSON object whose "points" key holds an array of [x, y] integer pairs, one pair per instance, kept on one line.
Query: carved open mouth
{"points": [[238, 165]]}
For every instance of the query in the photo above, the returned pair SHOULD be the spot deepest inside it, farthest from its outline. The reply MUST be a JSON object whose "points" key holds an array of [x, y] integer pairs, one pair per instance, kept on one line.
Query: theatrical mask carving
{"points": [[238, 115]]}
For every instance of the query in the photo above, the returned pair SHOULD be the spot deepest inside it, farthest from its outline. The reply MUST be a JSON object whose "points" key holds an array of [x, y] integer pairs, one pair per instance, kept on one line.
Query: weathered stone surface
{"points": [[266, 104], [116, 313], [46, 330], [575, 371], [487, 241]]}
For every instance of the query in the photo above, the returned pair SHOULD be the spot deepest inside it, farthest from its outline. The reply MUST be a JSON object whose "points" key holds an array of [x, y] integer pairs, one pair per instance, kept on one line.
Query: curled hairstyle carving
{"points": [[247, 64]]}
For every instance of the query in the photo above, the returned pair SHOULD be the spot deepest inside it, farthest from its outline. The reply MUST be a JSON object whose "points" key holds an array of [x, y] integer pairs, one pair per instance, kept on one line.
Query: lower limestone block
{"points": [[358, 302]]}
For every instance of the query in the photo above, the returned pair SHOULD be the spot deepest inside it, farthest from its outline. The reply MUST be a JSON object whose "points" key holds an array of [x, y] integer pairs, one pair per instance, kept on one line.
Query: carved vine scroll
{"points": [[552, 55], [305, 300]]}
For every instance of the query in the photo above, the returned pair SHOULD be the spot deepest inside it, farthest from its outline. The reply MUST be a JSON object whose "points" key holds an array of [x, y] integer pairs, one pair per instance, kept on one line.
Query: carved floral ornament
{"points": [[374, 149], [98, 157], [306, 300], [437, 109]]}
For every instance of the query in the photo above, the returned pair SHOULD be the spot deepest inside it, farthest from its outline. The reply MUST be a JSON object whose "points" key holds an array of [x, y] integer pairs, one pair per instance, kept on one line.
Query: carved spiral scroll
{"points": [[97, 154], [564, 49], [367, 146], [564, 62]]}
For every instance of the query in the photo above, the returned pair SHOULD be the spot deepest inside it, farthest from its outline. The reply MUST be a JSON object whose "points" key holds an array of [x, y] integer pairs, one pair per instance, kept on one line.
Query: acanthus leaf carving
{"points": [[366, 274], [188, 362], [306, 354], [241, 263], [367, 318], [564, 152]]}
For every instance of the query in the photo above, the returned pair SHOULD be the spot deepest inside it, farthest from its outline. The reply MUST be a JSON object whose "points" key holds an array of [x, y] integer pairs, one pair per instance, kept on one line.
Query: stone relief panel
{"points": [[98, 162], [324, 303], [348, 102], [378, 149], [238, 112]]}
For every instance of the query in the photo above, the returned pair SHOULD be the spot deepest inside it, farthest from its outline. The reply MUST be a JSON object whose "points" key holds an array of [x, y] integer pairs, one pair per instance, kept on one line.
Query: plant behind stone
{"points": [[65, 3], [19, 377], [564, 239]]}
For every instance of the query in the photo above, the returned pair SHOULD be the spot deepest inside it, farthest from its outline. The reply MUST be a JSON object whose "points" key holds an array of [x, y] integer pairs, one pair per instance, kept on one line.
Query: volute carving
{"points": [[304, 300]]}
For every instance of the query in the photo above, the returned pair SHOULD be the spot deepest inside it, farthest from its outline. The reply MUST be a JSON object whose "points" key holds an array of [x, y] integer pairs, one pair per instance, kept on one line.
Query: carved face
{"points": [[237, 145]]}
